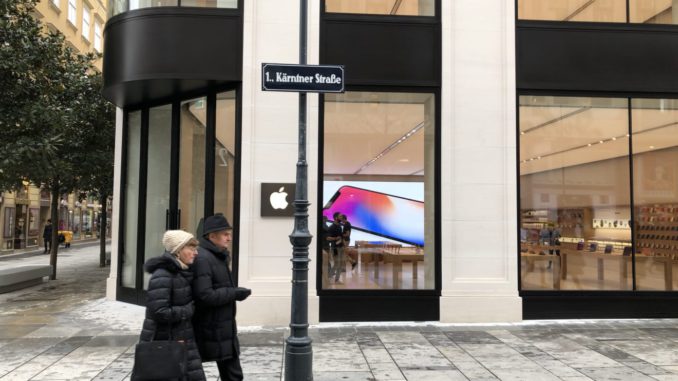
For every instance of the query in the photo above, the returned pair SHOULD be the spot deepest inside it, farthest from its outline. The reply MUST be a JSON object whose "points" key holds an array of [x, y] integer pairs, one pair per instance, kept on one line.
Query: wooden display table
{"points": [[392, 252], [531, 258], [624, 261]]}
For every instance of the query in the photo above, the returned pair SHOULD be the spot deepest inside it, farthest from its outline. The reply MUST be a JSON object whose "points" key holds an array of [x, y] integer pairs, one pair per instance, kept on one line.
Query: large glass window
{"points": [[574, 193], [224, 168], [129, 253], [210, 3], [382, 7], [158, 181], [655, 191], [119, 6], [573, 10], [654, 11], [379, 171], [192, 164], [639, 11]]}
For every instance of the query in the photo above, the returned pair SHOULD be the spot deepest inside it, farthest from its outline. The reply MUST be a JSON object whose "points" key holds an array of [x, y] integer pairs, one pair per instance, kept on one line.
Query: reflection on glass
{"points": [[654, 11], [573, 10], [655, 190], [192, 164], [158, 181], [574, 194], [379, 172], [119, 6], [382, 7], [210, 3], [139, 4], [129, 253], [224, 167]]}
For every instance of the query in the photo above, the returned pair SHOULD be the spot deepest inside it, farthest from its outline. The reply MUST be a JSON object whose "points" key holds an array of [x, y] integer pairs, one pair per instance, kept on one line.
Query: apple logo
{"points": [[279, 199]]}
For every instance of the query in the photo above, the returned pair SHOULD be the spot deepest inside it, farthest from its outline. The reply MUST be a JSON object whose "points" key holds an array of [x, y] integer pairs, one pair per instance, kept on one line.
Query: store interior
{"points": [[378, 171], [590, 179]]}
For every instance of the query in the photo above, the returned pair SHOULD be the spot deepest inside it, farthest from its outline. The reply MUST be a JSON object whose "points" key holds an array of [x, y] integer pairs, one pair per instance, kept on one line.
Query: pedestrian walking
{"points": [[169, 304], [215, 295], [47, 236]]}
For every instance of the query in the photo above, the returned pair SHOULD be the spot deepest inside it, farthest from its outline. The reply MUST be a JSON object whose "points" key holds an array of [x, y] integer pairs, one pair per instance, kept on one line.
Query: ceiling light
{"points": [[651, 147], [601, 142], [614, 138], [522, 132], [391, 147], [404, 160], [589, 144]]}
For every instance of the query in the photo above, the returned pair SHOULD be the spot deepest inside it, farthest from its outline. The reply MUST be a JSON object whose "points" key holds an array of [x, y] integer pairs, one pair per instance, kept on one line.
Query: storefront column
{"points": [[478, 195]]}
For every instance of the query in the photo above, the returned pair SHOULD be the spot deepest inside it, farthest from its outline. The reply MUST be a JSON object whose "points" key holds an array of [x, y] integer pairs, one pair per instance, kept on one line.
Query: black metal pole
{"points": [[298, 351]]}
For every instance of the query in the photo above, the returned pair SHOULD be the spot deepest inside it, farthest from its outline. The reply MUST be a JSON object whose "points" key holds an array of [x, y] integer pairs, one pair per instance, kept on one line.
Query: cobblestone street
{"points": [[65, 330]]}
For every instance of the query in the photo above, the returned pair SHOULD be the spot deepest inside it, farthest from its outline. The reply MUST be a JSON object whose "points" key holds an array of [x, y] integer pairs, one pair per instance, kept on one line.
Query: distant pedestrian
{"points": [[215, 295], [169, 304], [47, 236], [336, 239]]}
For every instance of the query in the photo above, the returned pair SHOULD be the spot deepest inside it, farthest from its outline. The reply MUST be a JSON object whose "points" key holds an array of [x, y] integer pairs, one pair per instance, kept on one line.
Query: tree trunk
{"points": [[55, 228], [102, 230]]}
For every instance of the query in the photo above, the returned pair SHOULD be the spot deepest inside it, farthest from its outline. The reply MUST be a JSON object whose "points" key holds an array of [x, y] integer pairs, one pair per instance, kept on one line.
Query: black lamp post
{"points": [[298, 351]]}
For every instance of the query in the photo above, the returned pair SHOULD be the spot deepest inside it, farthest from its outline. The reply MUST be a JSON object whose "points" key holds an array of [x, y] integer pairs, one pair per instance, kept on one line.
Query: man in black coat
{"points": [[215, 295]]}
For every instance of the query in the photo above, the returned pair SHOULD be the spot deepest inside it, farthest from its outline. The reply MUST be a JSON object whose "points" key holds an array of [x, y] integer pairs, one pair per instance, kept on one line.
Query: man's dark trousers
{"points": [[230, 370]]}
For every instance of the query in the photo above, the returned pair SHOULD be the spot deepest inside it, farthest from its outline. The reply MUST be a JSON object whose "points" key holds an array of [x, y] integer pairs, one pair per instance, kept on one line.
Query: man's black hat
{"points": [[215, 223]]}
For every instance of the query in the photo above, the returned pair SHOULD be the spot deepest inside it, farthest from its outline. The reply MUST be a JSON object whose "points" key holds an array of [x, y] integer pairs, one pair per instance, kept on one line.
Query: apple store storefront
{"points": [[480, 183]]}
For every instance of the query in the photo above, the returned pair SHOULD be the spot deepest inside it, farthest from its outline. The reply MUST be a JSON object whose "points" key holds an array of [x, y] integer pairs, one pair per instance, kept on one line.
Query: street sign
{"points": [[302, 78]]}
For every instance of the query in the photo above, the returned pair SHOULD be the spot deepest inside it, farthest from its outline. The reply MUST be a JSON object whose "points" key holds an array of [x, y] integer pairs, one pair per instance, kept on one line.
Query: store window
{"points": [[655, 191], [382, 7], [653, 11], [158, 181], [379, 171], [129, 228], [224, 166], [573, 10], [77, 224], [575, 200]]}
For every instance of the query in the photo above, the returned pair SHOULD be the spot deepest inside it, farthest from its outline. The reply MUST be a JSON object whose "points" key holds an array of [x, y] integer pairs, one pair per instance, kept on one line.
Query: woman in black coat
{"points": [[169, 304]]}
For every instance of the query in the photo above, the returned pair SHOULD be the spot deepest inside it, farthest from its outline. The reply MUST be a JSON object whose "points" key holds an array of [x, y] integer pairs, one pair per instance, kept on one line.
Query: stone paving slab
{"points": [[65, 330]]}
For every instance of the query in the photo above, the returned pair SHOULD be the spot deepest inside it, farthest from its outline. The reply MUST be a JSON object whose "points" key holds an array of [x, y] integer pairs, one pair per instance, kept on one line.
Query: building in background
{"points": [[498, 160], [23, 214]]}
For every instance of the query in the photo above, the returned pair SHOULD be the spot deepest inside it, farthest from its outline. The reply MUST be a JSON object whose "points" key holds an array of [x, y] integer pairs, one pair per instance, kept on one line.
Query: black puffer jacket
{"points": [[214, 295], [170, 283]]}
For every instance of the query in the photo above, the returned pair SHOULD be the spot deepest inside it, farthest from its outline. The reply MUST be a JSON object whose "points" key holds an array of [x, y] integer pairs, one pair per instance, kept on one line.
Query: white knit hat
{"points": [[174, 240]]}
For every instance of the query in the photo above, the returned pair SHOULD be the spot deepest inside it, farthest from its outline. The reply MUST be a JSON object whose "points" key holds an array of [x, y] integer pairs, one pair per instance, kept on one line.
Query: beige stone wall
{"points": [[54, 14]]}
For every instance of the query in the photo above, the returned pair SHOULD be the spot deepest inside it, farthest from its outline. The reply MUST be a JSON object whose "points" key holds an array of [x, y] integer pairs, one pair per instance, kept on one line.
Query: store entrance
{"points": [[171, 180]]}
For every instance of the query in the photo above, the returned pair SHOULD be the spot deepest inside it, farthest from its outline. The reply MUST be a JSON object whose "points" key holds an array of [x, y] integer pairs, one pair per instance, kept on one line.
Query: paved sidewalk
{"points": [[65, 330]]}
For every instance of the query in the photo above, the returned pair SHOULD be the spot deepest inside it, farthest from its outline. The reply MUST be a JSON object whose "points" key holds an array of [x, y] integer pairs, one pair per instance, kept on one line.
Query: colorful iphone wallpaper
{"points": [[385, 215]]}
